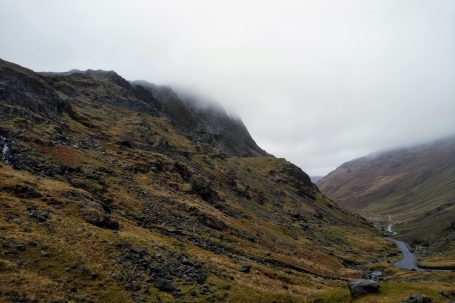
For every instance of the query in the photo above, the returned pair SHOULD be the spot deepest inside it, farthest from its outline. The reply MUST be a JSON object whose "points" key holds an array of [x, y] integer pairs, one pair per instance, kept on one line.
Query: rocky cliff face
{"points": [[112, 191], [205, 122]]}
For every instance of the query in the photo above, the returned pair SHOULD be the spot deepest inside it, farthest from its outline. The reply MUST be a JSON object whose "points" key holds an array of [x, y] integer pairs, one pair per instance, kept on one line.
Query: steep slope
{"points": [[415, 186], [105, 198], [205, 121]]}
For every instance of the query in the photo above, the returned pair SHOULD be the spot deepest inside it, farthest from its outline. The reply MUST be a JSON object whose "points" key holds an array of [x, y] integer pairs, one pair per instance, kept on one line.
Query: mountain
{"points": [[415, 186], [112, 191], [207, 119], [315, 179]]}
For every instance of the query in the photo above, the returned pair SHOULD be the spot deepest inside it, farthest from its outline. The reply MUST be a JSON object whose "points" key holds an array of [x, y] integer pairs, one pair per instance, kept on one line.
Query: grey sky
{"points": [[317, 82]]}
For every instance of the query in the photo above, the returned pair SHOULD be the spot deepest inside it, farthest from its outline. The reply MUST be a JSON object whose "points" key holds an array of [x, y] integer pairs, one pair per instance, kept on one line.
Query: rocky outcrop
{"points": [[362, 287], [28, 94], [206, 122]]}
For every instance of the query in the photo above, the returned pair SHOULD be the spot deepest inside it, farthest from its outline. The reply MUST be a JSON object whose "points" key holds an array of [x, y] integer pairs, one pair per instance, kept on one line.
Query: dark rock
{"points": [[41, 216], [185, 261], [418, 299], [362, 287], [135, 287], [26, 192], [204, 189], [295, 174], [32, 243], [447, 294], [211, 222], [20, 247], [163, 285], [183, 171], [204, 290], [125, 143], [97, 216], [177, 293]]}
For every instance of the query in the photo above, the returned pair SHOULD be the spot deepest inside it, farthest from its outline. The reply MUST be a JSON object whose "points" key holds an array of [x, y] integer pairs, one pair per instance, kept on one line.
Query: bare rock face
{"points": [[362, 287], [208, 123]]}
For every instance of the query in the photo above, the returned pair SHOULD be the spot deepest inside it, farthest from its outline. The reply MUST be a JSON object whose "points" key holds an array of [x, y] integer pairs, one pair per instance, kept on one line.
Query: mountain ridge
{"points": [[106, 198]]}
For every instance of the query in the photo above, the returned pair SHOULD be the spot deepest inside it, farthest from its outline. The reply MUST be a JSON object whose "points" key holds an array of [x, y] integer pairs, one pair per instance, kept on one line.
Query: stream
{"points": [[409, 260], [4, 150]]}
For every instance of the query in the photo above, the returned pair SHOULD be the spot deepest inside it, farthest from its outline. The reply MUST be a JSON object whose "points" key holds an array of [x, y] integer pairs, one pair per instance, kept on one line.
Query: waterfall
{"points": [[4, 150]]}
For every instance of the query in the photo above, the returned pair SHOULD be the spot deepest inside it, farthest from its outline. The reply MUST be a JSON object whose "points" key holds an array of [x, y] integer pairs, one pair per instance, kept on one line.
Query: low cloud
{"points": [[318, 82]]}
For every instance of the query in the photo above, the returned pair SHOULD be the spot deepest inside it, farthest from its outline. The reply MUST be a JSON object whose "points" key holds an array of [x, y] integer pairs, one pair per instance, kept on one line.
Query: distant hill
{"points": [[316, 178], [414, 185]]}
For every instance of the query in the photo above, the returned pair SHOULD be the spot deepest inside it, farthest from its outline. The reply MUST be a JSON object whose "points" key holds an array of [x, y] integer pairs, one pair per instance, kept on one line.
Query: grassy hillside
{"points": [[414, 186], [104, 199]]}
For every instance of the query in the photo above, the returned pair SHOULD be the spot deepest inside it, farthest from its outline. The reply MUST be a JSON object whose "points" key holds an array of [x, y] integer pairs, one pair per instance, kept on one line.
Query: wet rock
{"points": [[418, 299], [362, 287]]}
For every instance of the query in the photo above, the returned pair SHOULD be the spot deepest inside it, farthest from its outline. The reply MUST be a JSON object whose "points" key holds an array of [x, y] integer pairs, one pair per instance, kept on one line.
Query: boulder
{"points": [[163, 285], [418, 299], [362, 287]]}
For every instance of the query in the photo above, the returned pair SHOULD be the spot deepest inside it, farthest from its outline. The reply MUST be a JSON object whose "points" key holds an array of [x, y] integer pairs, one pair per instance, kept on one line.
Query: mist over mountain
{"points": [[341, 79], [201, 151]]}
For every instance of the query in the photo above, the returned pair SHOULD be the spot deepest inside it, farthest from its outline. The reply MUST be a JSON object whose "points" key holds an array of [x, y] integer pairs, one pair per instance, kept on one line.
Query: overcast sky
{"points": [[318, 82]]}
